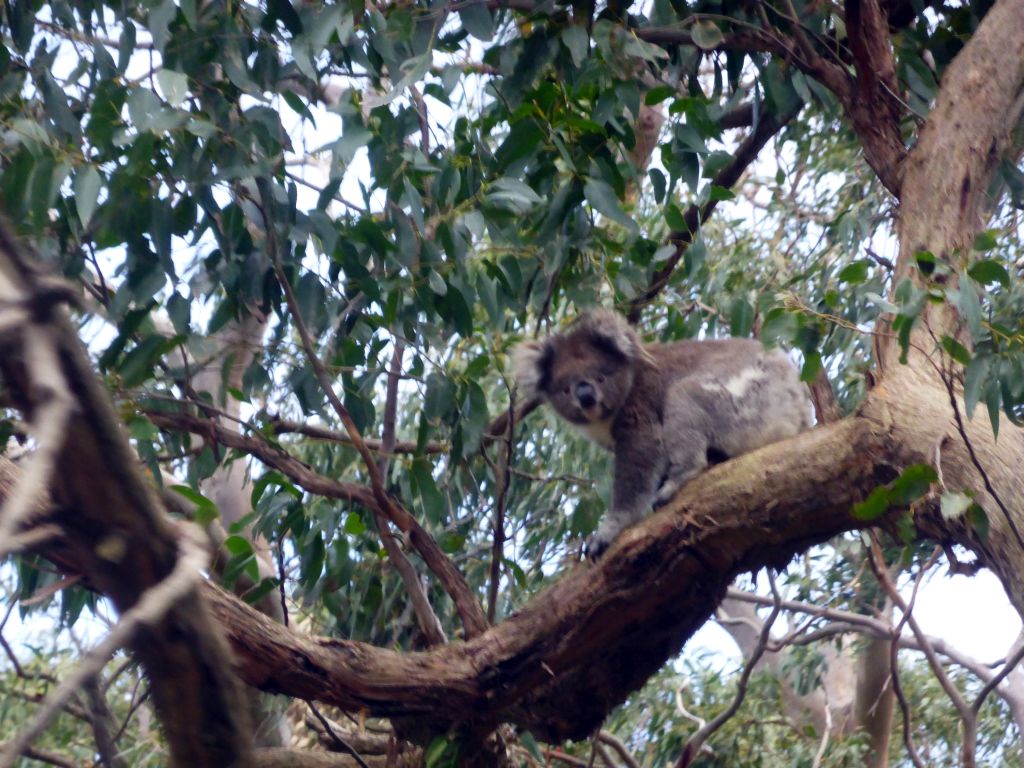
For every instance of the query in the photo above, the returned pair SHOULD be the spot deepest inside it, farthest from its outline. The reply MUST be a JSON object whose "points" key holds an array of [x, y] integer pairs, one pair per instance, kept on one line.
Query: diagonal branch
{"points": [[692, 747], [466, 604], [577, 649], [696, 215], [150, 610]]}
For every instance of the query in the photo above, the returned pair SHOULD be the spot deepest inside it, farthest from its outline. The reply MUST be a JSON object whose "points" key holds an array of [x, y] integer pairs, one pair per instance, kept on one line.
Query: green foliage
{"points": [[461, 181]]}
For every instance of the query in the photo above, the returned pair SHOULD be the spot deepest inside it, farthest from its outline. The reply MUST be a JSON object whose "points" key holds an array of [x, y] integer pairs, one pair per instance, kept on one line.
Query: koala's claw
{"points": [[602, 539], [666, 492], [595, 547]]}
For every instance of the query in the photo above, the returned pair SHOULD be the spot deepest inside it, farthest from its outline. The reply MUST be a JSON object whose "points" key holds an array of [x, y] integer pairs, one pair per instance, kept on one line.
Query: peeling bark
{"points": [[121, 539]]}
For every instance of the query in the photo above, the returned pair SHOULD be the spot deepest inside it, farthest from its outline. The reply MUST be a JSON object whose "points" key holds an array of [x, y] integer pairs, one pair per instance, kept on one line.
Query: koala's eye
{"points": [[566, 390], [600, 378]]}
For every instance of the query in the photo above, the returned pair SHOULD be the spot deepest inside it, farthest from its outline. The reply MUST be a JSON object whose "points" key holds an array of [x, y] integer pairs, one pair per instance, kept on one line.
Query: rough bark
{"points": [[944, 203], [124, 542], [560, 664]]}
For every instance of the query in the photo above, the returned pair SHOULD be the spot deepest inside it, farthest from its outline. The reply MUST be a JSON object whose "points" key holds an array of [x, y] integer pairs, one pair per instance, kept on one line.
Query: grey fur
{"points": [[661, 408]]}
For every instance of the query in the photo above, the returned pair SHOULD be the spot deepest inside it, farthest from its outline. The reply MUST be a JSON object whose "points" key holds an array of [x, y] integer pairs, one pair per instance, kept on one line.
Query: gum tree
{"points": [[262, 268]]}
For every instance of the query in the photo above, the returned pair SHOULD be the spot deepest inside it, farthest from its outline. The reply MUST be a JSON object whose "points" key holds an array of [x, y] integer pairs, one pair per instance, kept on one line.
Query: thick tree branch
{"points": [[599, 632], [874, 106], [657, 585], [150, 609], [124, 542], [944, 201]]}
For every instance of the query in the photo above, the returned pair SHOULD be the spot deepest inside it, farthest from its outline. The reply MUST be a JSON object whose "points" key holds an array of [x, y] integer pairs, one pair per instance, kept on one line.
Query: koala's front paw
{"points": [[666, 491], [601, 540]]}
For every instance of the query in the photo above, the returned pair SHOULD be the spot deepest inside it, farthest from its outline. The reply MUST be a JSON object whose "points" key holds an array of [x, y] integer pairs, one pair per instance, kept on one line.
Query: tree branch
{"points": [[428, 621], [692, 747], [122, 541], [873, 105], [150, 610], [696, 215], [466, 604], [656, 585], [284, 426]]}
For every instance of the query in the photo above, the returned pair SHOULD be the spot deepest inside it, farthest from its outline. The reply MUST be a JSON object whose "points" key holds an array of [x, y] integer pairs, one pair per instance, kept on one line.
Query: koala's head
{"points": [[586, 373]]}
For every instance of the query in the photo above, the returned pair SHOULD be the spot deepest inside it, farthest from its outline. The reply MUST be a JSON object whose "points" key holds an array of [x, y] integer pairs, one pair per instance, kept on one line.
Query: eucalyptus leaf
{"points": [[87, 189], [707, 35]]}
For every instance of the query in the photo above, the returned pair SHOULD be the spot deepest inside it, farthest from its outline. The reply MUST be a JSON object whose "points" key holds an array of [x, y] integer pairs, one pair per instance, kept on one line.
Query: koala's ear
{"points": [[614, 331], [530, 363]]}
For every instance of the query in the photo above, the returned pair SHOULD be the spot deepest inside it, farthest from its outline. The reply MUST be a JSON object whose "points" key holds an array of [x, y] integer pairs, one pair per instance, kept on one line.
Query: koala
{"points": [[665, 410]]}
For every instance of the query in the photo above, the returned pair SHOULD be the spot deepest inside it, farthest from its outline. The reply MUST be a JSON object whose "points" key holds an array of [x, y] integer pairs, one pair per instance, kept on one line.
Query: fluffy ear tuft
{"points": [[528, 367], [614, 328]]}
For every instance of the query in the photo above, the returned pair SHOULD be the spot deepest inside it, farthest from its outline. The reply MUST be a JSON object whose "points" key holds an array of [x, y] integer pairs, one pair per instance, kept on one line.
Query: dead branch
{"points": [[118, 536], [150, 609], [693, 745]]}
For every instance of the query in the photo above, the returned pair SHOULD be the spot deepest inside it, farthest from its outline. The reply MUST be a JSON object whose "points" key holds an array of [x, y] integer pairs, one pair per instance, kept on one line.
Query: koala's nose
{"points": [[586, 395]]}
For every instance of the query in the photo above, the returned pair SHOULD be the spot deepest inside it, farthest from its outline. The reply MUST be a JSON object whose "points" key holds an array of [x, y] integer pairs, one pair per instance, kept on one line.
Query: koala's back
{"points": [[737, 394]]}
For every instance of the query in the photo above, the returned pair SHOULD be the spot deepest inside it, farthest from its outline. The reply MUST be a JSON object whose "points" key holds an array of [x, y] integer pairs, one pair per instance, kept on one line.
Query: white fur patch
{"points": [[738, 385], [526, 366], [598, 431]]}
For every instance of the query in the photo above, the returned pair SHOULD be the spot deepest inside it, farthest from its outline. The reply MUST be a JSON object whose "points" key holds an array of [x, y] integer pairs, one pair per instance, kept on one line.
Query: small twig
{"points": [[993, 684], [284, 426], [423, 117], [682, 710], [620, 749], [901, 698], [948, 381], [279, 549], [967, 715], [149, 610], [696, 215], [429, 624], [137, 700], [339, 742], [468, 607], [692, 747], [502, 480], [102, 722], [881, 261], [557, 754], [43, 756], [568, 479]]}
